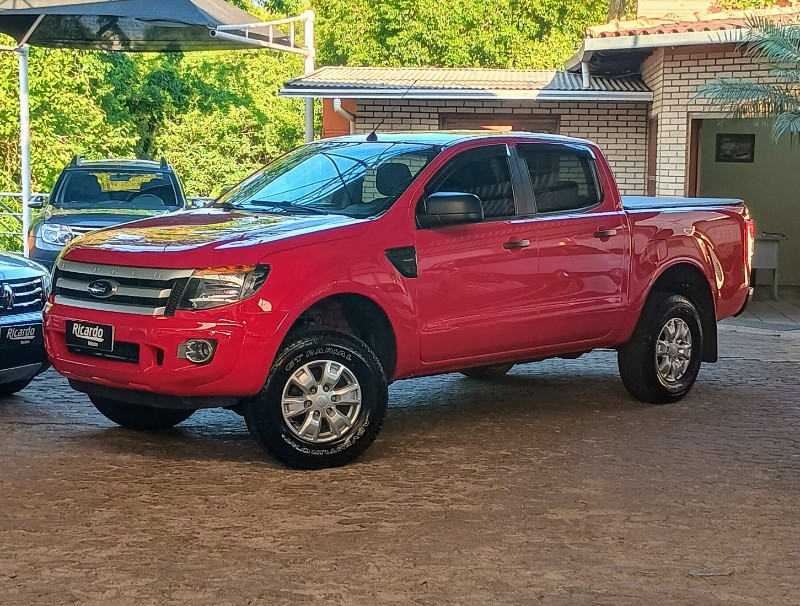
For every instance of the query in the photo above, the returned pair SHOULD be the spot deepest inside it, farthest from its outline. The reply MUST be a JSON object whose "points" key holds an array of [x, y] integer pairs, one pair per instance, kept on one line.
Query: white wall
{"points": [[770, 186]]}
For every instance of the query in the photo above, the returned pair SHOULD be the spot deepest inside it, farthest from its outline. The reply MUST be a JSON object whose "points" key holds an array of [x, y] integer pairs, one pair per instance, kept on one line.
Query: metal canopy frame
{"points": [[306, 50]]}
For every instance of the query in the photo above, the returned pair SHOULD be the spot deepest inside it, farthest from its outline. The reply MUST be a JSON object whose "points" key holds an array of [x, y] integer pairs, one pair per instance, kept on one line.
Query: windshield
{"points": [[116, 189], [358, 179]]}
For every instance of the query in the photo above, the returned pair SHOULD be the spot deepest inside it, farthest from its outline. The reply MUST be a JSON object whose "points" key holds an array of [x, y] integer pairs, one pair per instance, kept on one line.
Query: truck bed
{"points": [[670, 202]]}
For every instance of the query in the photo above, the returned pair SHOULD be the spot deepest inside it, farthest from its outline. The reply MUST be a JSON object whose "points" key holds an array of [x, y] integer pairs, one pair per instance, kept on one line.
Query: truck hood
{"points": [[96, 218], [15, 266], [184, 238]]}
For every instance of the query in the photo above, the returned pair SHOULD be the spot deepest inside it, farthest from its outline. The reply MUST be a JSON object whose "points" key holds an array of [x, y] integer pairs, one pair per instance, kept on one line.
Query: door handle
{"points": [[605, 233], [517, 244]]}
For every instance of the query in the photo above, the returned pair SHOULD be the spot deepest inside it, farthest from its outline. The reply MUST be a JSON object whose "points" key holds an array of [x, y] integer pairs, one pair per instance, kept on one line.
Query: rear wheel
{"points": [[493, 371], [138, 417], [323, 403], [9, 389], [662, 360]]}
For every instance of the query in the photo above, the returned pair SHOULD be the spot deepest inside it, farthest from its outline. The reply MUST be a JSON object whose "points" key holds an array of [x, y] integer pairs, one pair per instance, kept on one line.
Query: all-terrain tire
{"points": [[323, 403], [493, 371], [138, 417], [643, 361]]}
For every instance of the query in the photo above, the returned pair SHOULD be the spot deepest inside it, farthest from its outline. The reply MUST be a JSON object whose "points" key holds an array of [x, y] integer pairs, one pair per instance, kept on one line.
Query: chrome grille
{"points": [[134, 290], [20, 296]]}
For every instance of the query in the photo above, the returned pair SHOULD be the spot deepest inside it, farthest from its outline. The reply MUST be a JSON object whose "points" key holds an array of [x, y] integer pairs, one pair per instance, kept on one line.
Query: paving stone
{"points": [[551, 486]]}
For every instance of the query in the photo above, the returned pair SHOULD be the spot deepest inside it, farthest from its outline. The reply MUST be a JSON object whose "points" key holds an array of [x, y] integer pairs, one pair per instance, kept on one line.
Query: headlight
{"points": [[56, 234], [218, 286]]}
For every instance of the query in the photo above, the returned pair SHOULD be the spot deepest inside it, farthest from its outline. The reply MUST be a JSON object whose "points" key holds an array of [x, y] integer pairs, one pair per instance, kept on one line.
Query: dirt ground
{"points": [[551, 486]]}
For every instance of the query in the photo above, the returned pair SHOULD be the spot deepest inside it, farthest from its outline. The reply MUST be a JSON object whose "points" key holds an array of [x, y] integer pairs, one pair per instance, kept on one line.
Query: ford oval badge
{"points": [[102, 289]]}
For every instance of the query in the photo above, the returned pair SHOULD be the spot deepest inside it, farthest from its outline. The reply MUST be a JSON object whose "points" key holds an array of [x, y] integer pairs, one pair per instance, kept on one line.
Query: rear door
{"points": [[475, 280], [583, 242]]}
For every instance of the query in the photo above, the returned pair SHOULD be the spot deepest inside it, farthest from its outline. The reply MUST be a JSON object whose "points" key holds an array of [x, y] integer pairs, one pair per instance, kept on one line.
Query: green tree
{"points": [[217, 115], [459, 33], [235, 120], [778, 47], [66, 117]]}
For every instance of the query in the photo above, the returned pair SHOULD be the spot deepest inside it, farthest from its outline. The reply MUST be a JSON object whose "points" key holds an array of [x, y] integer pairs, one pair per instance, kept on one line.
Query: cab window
{"points": [[485, 172], [563, 179]]}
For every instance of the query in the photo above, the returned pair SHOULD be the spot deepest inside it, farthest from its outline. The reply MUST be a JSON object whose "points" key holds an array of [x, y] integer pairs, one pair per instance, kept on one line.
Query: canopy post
{"points": [[25, 145], [25, 133], [308, 39]]}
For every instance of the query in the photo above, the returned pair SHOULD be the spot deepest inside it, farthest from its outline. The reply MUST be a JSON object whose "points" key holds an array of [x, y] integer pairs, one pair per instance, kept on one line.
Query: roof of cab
{"points": [[446, 138]]}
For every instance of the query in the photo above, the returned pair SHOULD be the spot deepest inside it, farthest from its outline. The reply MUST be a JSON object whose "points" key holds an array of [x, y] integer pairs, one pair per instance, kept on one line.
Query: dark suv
{"points": [[24, 288], [89, 195]]}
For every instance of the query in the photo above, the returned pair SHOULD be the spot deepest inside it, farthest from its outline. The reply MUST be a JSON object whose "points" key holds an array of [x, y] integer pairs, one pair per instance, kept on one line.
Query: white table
{"points": [[766, 256]]}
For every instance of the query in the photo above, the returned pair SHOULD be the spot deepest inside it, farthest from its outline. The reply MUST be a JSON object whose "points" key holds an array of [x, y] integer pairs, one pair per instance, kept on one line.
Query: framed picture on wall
{"points": [[735, 148]]}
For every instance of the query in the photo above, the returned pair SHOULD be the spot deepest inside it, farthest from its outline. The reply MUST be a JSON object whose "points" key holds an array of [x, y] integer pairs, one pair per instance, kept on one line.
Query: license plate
{"points": [[21, 335], [99, 337]]}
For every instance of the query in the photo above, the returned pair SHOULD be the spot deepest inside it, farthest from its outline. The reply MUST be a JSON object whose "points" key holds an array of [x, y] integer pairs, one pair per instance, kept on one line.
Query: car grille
{"points": [[122, 352], [134, 290], [28, 295]]}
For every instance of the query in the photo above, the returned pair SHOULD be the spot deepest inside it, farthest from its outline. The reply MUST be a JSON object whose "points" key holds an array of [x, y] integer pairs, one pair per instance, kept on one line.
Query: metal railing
{"points": [[11, 220], [11, 217]]}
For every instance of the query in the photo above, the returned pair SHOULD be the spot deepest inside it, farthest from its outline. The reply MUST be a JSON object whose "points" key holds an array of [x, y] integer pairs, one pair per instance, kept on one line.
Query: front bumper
{"points": [[21, 360], [238, 369]]}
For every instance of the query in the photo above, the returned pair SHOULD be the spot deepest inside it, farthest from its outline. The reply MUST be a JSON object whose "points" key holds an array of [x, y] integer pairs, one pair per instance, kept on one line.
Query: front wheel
{"points": [[661, 361], [323, 402], [138, 417]]}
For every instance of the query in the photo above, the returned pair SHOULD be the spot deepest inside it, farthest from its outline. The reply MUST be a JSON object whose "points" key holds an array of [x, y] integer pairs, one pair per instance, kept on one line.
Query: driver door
{"points": [[475, 280]]}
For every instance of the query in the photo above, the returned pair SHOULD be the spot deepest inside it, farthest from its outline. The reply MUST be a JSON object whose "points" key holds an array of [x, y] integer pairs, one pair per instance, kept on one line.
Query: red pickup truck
{"points": [[353, 262]]}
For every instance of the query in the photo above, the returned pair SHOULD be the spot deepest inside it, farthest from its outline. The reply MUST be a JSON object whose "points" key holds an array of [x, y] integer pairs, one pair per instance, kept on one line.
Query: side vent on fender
{"points": [[404, 260]]}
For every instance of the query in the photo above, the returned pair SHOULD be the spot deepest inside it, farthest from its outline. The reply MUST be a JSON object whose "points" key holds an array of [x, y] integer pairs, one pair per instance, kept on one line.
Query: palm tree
{"points": [[779, 47]]}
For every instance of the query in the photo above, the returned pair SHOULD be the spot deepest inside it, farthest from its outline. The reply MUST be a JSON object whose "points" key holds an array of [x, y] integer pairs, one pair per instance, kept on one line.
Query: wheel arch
{"points": [[687, 279], [355, 314]]}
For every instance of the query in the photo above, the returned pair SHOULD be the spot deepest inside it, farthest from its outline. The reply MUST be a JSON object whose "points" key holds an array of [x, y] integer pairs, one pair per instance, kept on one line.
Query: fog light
{"points": [[197, 351]]}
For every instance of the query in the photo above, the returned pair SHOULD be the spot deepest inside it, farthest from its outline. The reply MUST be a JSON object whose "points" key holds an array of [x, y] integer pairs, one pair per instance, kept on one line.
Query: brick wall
{"points": [[619, 128], [674, 75]]}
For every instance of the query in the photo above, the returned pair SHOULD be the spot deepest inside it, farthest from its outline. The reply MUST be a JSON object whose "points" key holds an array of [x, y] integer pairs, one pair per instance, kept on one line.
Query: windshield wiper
{"points": [[286, 205]]}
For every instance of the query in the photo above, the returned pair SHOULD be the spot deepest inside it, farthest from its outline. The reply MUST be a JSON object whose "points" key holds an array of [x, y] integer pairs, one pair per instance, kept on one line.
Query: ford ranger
{"points": [[353, 262]]}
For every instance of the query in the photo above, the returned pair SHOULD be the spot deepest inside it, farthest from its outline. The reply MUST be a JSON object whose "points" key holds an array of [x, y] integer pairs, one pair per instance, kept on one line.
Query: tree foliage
{"points": [[217, 115], [458, 33]]}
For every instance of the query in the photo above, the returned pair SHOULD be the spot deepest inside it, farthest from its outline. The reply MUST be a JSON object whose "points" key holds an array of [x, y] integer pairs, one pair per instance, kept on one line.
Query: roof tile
{"points": [[788, 12], [461, 79]]}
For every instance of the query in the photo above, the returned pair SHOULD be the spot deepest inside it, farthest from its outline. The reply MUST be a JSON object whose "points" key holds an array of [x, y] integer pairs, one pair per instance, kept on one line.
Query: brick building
{"points": [[630, 87]]}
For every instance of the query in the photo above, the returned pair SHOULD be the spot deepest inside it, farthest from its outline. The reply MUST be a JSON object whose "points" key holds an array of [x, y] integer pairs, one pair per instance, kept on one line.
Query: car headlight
{"points": [[53, 233], [218, 286]]}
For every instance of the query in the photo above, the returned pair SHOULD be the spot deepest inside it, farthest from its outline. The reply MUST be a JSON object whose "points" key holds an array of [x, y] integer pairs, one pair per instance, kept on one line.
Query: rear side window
{"points": [[563, 179], [485, 172]]}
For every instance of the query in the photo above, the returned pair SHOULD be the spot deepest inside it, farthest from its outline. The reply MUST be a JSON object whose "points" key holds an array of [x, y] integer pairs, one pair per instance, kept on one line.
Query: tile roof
{"points": [[433, 79], [784, 13]]}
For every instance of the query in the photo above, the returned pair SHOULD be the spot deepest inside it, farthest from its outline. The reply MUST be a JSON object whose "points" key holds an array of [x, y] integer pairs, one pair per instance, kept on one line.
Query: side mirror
{"points": [[36, 202], [450, 208]]}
